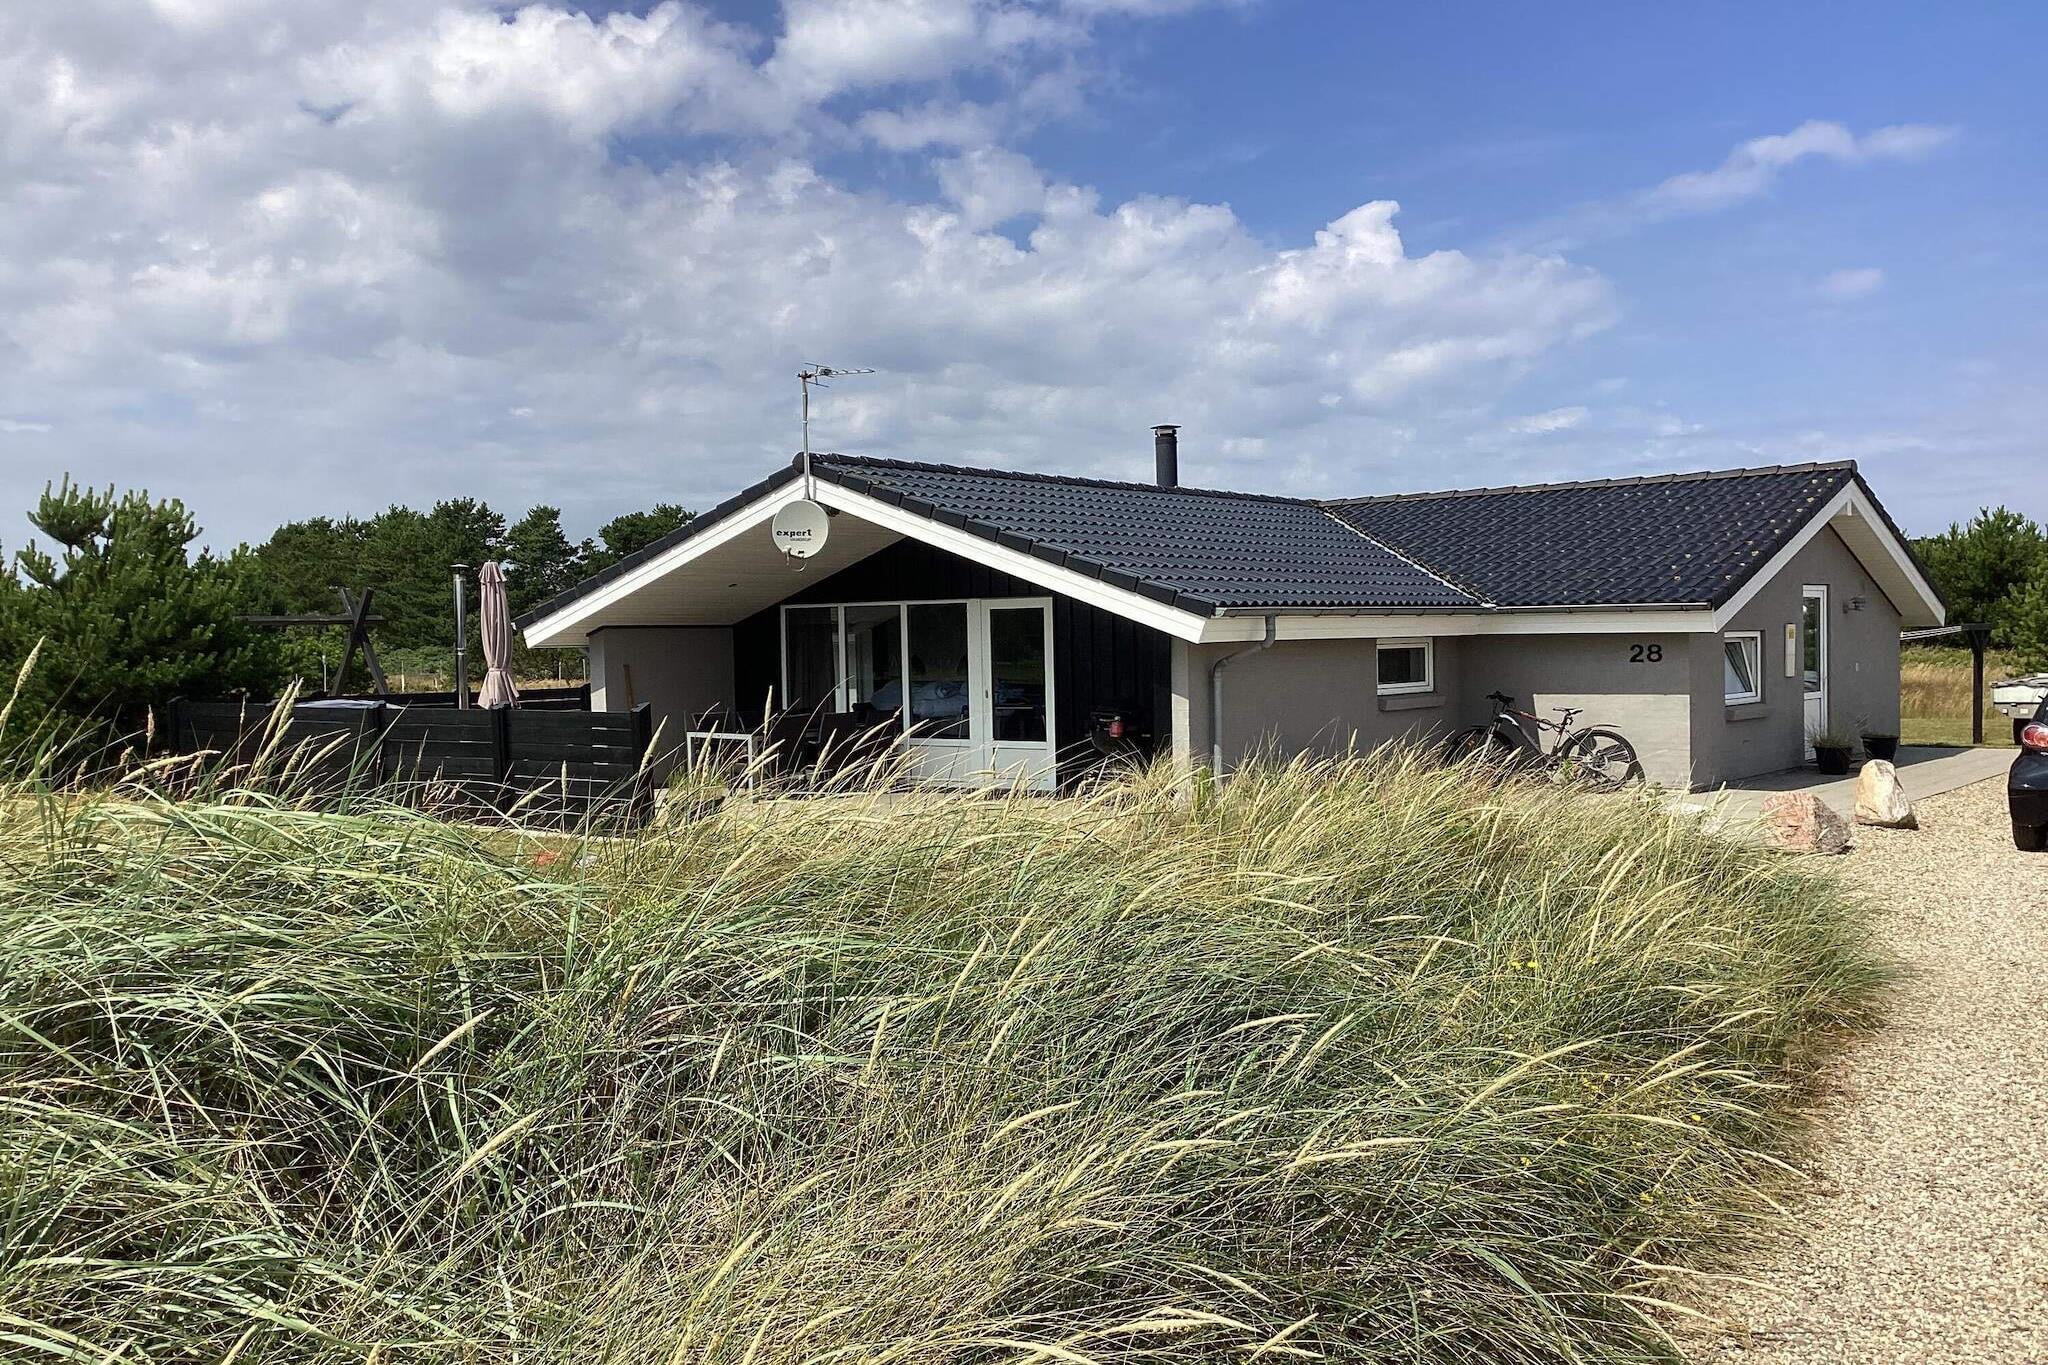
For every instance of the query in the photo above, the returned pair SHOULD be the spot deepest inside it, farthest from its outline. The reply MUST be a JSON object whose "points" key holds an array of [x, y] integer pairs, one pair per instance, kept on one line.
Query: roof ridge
{"points": [[1036, 476], [1470, 590], [1639, 480]]}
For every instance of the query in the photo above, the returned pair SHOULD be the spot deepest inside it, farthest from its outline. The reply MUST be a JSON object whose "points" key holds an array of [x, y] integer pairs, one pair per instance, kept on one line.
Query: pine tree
{"points": [[1987, 570], [540, 559], [623, 535], [304, 561], [2026, 622], [123, 613]]}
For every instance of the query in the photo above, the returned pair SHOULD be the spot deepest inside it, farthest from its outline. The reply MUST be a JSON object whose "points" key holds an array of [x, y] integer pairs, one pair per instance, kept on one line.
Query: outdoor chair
{"points": [[787, 745], [854, 741]]}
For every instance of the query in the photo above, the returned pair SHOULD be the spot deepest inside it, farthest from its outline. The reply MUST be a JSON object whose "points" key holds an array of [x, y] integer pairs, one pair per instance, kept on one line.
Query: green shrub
{"points": [[1353, 1062]]}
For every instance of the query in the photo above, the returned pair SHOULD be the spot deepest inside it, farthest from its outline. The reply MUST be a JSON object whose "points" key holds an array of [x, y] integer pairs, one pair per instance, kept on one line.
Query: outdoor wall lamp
{"points": [[1854, 604]]}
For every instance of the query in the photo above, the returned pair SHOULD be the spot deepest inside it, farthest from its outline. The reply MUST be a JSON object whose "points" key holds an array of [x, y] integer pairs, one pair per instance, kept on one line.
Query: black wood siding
{"points": [[1099, 658]]}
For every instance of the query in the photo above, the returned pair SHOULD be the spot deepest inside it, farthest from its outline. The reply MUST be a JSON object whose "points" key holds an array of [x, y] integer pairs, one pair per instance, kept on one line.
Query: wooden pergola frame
{"points": [[1979, 636], [358, 619]]}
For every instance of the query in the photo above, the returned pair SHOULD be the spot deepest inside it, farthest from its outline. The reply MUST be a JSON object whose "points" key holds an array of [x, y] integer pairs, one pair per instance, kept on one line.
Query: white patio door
{"points": [[981, 692], [1813, 656], [1012, 715]]}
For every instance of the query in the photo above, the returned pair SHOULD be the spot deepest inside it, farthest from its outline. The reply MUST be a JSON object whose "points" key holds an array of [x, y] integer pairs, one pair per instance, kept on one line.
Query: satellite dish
{"points": [[800, 529]]}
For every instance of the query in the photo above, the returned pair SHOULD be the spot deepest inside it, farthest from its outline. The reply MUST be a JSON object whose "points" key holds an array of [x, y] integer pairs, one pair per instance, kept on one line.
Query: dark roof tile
{"points": [[1690, 539], [1197, 545], [1675, 538]]}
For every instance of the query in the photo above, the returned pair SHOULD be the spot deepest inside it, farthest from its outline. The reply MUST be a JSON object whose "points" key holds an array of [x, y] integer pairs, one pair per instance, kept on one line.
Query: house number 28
{"points": [[1646, 654]]}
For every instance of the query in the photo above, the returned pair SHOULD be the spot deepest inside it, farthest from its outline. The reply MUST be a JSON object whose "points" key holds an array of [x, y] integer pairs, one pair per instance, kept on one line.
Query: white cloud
{"points": [[1859, 282], [287, 258], [1147, 8], [10, 426], [831, 46], [1747, 172], [992, 186], [1540, 423], [932, 124], [1753, 166], [589, 78]]}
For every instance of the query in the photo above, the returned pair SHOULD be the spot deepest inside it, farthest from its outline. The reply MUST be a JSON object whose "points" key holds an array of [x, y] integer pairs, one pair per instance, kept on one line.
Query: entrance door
{"points": [[1013, 702], [1813, 654]]}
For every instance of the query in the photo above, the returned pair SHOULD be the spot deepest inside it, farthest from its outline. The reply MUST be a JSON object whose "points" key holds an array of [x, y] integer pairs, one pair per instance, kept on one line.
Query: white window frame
{"points": [[1755, 639], [842, 687], [1421, 642]]}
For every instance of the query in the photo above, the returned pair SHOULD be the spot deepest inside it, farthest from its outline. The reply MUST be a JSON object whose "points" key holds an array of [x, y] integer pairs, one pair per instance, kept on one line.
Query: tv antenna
{"points": [[816, 374]]}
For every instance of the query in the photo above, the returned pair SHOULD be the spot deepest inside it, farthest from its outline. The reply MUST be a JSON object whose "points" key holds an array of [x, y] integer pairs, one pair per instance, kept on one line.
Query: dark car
{"points": [[2026, 791]]}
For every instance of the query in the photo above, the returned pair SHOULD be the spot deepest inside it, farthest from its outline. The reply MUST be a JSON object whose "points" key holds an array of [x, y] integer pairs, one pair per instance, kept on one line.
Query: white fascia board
{"points": [[1174, 621], [1849, 503], [1558, 621], [570, 620]]}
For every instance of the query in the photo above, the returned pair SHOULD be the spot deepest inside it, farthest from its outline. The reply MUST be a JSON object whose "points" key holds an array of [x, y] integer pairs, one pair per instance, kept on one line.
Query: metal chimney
{"points": [[1166, 456]]}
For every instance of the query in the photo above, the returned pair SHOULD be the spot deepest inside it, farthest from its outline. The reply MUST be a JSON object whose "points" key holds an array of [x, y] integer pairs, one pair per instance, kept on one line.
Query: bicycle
{"points": [[1596, 756]]}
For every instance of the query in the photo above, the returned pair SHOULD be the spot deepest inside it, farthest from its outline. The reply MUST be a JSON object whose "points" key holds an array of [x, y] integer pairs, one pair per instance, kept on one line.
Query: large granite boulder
{"points": [[1799, 822], [1880, 800]]}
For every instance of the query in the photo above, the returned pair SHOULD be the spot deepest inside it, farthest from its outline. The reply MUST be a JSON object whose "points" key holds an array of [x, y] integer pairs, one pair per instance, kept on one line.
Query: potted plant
{"points": [[1878, 744], [1831, 749]]}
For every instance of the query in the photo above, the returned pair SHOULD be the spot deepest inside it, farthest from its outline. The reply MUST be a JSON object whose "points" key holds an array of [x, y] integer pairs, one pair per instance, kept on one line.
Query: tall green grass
{"points": [[1359, 1061]]}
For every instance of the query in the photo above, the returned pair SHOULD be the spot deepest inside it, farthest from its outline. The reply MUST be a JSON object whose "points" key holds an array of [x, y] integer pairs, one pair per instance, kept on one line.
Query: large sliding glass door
{"points": [[939, 659], [810, 659], [969, 682]]}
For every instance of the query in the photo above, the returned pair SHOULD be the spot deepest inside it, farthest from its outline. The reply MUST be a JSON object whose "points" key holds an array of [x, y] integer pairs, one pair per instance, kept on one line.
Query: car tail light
{"points": [[1116, 729], [2035, 736]]}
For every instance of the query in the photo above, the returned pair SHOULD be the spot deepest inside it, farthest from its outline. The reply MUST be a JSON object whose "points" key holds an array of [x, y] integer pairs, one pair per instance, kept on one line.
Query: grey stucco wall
{"points": [[1863, 669], [1640, 685], [1304, 696], [677, 670], [1663, 691]]}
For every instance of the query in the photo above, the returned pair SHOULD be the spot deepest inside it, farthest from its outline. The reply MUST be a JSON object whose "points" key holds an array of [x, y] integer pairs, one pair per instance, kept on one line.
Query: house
{"points": [[1716, 619]]}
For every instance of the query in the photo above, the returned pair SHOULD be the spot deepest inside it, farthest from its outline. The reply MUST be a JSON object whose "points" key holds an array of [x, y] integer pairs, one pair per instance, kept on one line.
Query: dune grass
{"points": [[1359, 1061], [1934, 695]]}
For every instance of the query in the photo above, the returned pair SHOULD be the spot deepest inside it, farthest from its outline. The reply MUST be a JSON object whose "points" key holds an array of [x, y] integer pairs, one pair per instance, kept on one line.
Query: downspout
{"points": [[1216, 692]]}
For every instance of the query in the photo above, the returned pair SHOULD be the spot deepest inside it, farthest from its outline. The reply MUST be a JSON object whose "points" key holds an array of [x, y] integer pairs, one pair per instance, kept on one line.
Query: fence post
{"points": [[501, 744], [1979, 637], [641, 807]]}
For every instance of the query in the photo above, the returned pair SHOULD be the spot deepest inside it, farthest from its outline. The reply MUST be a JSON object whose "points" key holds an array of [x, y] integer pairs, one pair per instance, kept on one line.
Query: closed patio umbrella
{"points": [[496, 621]]}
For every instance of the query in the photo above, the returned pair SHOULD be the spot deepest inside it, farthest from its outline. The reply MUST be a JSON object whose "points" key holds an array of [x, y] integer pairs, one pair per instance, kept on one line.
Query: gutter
{"points": [[1216, 691], [1577, 608], [1480, 609]]}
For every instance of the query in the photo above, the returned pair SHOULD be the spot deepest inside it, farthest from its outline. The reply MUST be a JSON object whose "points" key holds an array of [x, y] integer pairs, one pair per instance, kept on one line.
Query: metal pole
{"points": [[804, 379], [461, 642]]}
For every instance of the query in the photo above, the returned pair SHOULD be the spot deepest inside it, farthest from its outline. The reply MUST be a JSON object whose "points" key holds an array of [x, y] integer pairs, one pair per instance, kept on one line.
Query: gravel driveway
{"points": [[1925, 1238]]}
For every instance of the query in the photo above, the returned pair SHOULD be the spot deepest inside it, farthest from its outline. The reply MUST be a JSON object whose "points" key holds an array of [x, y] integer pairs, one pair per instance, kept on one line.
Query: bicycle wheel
{"points": [[1602, 759], [1479, 745]]}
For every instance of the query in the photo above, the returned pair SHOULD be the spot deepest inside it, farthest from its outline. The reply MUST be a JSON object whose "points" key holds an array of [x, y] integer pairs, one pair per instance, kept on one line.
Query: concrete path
{"points": [[1924, 771]]}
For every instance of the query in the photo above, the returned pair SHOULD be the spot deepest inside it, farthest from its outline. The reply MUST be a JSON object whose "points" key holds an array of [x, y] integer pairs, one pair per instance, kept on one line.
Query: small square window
{"points": [[1742, 667], [1405, 666]]}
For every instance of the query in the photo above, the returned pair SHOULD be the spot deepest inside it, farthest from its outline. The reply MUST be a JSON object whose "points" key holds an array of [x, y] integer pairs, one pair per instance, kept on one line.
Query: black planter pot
{"points": [[1833, 762], [1885, 747]]}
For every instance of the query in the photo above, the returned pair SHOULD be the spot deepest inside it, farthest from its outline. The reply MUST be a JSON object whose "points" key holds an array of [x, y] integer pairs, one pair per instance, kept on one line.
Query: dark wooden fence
{"points": [[570, 698], [555, 768]]}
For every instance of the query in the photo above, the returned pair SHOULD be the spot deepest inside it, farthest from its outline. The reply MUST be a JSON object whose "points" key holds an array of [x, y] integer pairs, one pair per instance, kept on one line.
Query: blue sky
{"points": [[283, 259]]}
